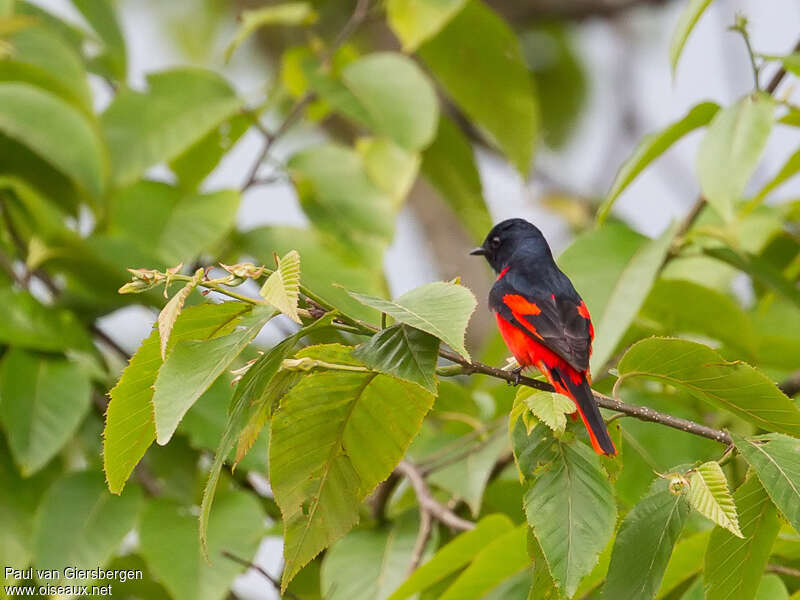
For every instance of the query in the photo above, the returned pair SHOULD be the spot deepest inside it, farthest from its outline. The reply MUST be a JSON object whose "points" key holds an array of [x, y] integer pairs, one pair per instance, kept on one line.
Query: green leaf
{"points": [[168, 542], [287, 13], [79, 524], [688, 19], [176, 225], [377, 80], [643, 546], [542, 583], [629, 293], [455, 555], [179, 109], [415, 21], [499, 560], [734, 566], [46, 61], [244, 405], [441, 309], [43, 403], [100, 15], [759, 268], [340, 199], [282, 287], [709, 495], [683, 563], [772, 587], [404, 352], [596, 260], [449, 165], [733, 386], [710, 313], [193, 366], [487, 78], [775, 460], [350, 441], [368, 564], [651, 147], [130, 428], [169, 314], [731, 149], [788, 170], [466, 479], [551, 409], [28, 324], [389, 166], [571, 508], [42, 121], [18, 511]]}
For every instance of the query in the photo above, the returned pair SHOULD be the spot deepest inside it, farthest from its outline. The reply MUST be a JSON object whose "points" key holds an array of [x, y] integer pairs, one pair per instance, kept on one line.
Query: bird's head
{"points": [[510, 239]]}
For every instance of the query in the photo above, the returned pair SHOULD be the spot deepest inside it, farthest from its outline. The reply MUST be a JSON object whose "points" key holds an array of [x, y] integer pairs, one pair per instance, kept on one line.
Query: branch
{"points": [[356, 18], [246, 563], [643, 413]]}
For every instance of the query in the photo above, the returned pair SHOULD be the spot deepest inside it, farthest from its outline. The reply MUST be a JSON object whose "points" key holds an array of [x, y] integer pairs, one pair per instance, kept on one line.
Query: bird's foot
{"points": [[516, 373]]}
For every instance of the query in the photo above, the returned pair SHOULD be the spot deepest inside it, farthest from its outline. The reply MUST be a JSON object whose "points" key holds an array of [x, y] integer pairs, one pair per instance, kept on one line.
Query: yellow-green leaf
{"points": [[551, 409], [170, 312], [709, 495], [282, 287]]}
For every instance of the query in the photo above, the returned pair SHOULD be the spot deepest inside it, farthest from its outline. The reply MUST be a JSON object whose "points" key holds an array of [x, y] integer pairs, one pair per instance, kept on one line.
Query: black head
{"points": [[510, 238]]}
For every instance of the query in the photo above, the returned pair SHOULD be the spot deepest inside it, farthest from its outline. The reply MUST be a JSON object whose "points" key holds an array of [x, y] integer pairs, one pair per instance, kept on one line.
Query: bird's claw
{"points": [[516, 373]]}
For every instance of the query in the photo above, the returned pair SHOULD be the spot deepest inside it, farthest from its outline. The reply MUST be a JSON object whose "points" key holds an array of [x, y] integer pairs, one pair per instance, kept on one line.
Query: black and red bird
{"points": [[542, 319]]}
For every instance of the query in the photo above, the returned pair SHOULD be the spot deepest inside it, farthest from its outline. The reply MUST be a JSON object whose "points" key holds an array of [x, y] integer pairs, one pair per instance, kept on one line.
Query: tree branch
{"points": [[643, 413], [791, 385], [246, 563], [426, 500]]}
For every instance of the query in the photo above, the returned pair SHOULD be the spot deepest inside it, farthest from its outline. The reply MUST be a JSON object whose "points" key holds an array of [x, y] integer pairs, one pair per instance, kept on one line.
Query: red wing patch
{"points": [[520, 305], [583, 311]]}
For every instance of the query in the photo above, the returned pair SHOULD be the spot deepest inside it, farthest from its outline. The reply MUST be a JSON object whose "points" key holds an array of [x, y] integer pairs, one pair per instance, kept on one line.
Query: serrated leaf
{"points": [[402, 351], [643, 546], [414, 21], [570, 506], [243, 406], [651, 147], [454, 555], [439, 308], [550, 408], [709, 495], [44, 400], [168, 315], [324, 461], [733, 386], [688, 19], [130, 428], [731, 149], [282, 287], [776, 460], [193, 366], [733, 566]]}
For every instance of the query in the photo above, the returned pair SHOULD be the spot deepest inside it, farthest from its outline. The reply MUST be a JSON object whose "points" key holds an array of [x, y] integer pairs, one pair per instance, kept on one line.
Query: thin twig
{"points": [[356, 18], [783, 570], [246, 563], [427, 502]]}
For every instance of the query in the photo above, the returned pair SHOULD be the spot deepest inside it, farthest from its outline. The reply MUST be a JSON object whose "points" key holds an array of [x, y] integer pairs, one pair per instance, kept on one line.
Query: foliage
{"points": [[399, 466]]}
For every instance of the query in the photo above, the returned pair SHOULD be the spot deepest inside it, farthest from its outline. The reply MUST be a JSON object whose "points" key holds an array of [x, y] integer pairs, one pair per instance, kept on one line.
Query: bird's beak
{"points": [[479, 251]]}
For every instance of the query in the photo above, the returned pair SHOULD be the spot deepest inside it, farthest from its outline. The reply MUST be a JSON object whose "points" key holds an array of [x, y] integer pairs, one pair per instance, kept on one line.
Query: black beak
{"points": [[479, 251]]}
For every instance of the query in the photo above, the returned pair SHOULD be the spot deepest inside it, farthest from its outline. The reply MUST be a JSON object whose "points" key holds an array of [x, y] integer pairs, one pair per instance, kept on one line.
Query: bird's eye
{"points": [[495, 242]]}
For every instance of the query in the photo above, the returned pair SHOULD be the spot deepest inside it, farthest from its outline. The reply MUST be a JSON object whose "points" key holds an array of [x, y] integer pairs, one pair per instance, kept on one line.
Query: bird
{"points": [[542, 318]]}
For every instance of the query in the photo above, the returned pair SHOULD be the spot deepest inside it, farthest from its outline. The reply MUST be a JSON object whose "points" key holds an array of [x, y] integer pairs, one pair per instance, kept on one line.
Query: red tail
{"points": [[576, 387]]}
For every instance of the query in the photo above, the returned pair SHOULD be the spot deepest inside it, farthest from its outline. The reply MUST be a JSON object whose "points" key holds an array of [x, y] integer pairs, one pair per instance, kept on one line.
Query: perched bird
{"points": [[542, 319]]}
